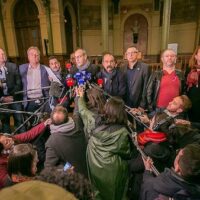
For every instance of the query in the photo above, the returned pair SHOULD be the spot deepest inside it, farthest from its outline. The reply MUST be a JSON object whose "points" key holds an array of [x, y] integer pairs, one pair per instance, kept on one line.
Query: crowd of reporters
{"points": [[93, 112]]}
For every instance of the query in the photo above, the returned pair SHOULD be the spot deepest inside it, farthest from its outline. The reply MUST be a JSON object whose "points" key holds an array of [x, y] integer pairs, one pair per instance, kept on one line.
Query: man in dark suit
{"points": [[10, 83], [34, 78], [83, 64], [137, 74]]}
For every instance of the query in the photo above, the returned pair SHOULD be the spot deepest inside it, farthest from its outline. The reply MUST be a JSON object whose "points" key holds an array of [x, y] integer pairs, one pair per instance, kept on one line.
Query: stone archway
{"points": [[27, 27], [136, 32], [72, 26]]}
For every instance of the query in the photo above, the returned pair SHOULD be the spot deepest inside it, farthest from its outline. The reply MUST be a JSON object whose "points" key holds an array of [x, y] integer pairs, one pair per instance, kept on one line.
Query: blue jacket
{"points": [[23, 69]]}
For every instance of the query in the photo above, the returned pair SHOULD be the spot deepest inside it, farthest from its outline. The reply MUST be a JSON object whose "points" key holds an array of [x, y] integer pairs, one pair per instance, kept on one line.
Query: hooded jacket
{"points": [[108, 152], [168, 184], [67, 144]]}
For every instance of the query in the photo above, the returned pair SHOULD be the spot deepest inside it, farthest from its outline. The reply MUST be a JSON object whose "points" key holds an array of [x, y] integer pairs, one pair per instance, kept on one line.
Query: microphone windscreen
{"points": [[55, 89], [68, 66]]}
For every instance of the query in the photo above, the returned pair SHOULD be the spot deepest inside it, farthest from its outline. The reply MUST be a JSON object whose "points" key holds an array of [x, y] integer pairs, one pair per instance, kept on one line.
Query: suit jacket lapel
{"points": [[137, 73]]}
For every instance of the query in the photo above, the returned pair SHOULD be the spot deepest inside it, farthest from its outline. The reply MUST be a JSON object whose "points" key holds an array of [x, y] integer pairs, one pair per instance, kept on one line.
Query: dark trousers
{"points": [[18, 119], [33, 106]]}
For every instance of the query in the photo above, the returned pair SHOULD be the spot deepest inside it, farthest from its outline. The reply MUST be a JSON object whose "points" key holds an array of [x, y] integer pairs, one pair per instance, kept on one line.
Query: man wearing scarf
{"points": [[112, 79], [66, 142], [83, 64], [57, 75]]}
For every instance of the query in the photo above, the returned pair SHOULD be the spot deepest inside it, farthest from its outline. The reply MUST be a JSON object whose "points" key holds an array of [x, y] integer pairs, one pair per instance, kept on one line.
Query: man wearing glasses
{"points": [[35, 80], [83, 64], [137, 74]]}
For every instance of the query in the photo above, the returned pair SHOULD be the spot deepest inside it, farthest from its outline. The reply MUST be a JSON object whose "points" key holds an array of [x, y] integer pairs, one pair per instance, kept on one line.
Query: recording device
{"points": [[67, 166]]}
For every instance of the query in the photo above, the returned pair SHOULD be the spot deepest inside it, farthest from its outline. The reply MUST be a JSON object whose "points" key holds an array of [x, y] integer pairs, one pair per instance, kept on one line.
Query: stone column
{"points": [[47, 5], [79, 23], [117, 36], [104, 24], [2, 30], [166, 23]]}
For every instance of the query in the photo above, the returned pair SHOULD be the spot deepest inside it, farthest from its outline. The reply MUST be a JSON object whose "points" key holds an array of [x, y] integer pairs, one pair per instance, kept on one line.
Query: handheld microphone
{"points": [[68, 66], [100, 82], [82, 78], [70, 82]]}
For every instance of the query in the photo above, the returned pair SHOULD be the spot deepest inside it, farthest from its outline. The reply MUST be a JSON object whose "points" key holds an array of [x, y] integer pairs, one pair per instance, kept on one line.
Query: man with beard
{"points": [[56, 74], [177, 108], [67, 141], [113, 80]]}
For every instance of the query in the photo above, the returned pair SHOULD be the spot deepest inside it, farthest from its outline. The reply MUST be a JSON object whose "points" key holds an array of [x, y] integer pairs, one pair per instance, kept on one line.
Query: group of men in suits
{"points": [[132, 81]]}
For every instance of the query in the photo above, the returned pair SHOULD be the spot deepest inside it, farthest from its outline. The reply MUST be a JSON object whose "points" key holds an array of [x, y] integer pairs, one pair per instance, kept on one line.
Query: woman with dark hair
{"points": [[108, 149], [22, 164], [91, 113], [8, 142]]}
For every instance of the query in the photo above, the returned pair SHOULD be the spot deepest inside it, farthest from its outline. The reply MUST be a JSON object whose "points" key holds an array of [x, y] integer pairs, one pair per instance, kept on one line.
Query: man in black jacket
{"points": [[137, 74], [182, 182], [113, 80], [67, 141], [176, 109], [10, 83], [83, 64]]}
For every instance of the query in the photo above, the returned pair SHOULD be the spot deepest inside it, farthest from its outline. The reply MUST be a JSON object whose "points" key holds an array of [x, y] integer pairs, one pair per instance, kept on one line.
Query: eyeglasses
{"points": [[131, 53], [77, 57]]}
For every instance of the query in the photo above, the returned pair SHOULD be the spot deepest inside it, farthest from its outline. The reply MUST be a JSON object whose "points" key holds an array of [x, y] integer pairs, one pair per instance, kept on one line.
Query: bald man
{"points": [[165, 84], [83, 64]]}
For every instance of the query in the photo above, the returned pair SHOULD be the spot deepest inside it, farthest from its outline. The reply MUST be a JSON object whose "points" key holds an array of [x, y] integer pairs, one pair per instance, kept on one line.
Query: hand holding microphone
{"points": [[80, 91]]}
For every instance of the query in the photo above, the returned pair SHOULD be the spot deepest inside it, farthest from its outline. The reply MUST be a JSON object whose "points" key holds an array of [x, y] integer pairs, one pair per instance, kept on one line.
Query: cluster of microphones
{"points": [[81, 78]]}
